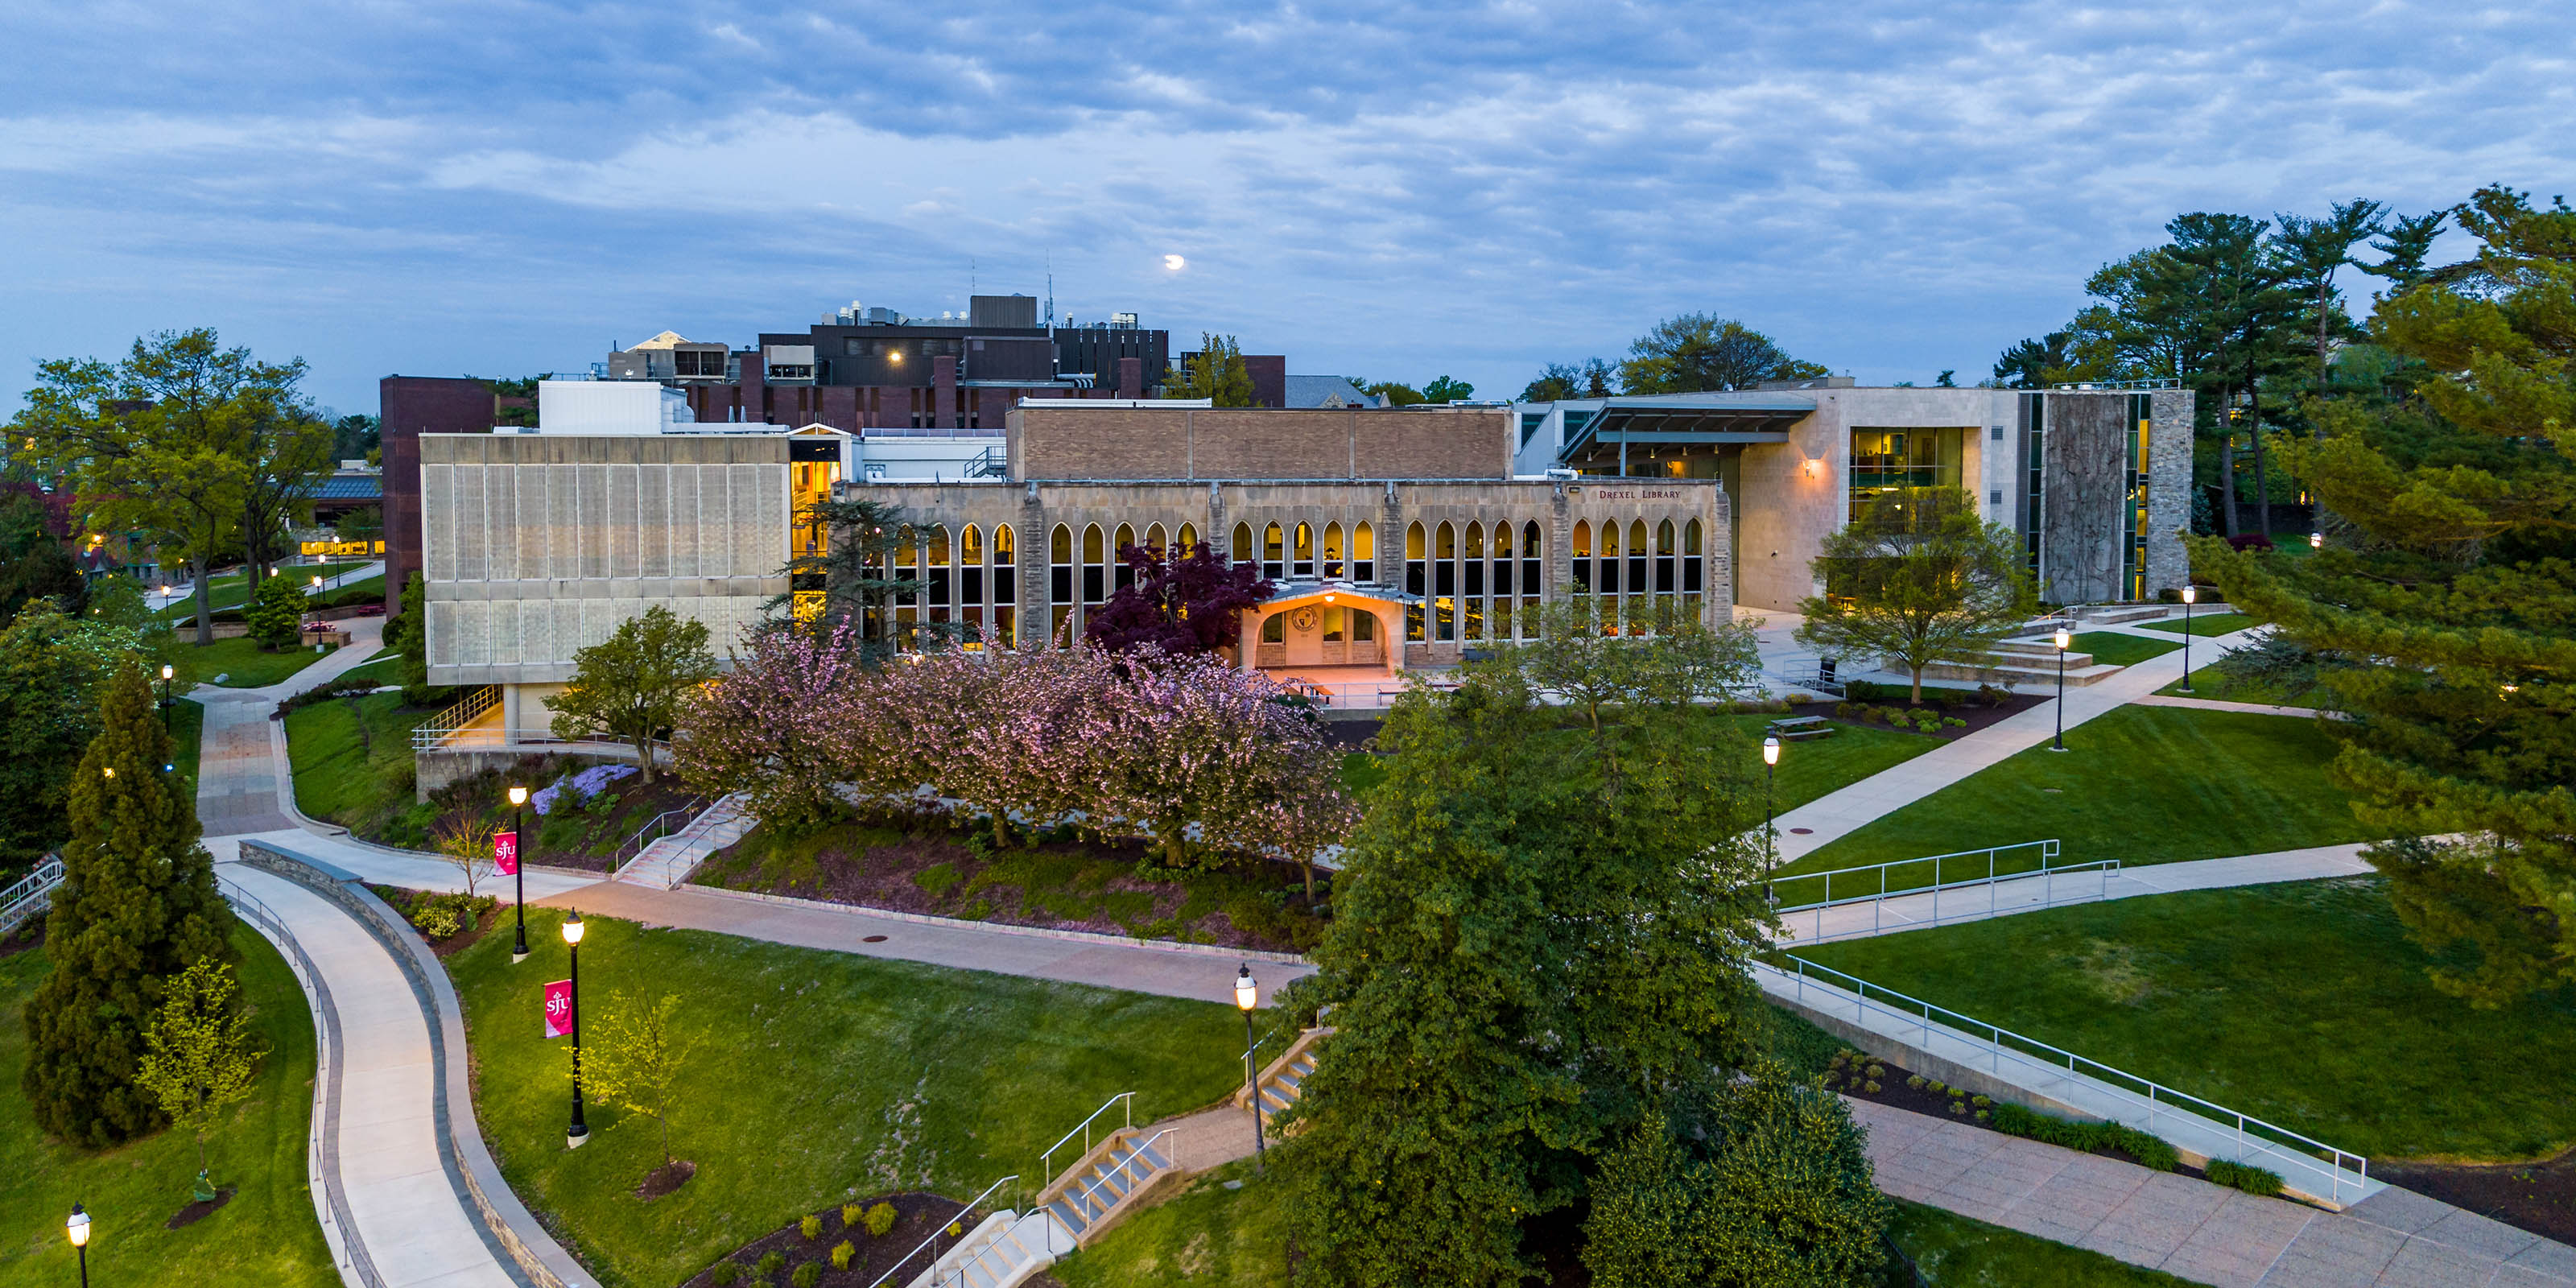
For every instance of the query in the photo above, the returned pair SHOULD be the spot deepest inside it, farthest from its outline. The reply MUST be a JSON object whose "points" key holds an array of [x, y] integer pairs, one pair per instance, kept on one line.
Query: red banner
{"points": [[559, 1008], [505, 853]]}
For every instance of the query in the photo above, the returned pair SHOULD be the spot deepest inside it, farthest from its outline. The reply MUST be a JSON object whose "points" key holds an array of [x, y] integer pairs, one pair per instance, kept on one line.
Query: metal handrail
{"points": [[2158, 1097], [457, 716], [24, 896], [1081, 1203], [1993, 881], [971, 1205], [619, 856], [2048, 849], [1046, 1160]]}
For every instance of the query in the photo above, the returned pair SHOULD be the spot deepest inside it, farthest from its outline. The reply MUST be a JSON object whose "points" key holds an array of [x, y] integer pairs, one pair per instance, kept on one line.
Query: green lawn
{"points": [[1814, 767], [2303, 1003], [267, 1235], [2139, 784], [1954, 1251], [352, 762], [1361, 770], [2205, 624], [244, 664], [2209, 682], [814, 1077], [2111, 648], [187, 730]]}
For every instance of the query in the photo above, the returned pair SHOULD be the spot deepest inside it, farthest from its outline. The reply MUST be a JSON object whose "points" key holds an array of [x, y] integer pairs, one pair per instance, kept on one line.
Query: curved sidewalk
{"points": [[2003, 898]]}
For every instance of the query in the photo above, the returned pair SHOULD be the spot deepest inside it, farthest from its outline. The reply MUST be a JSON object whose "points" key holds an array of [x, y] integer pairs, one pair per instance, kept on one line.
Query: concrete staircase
{"points": [[669, 861], [30, 897], [2022, 662], [1284, 1081], [1006, 1249], [1111, 1181]]}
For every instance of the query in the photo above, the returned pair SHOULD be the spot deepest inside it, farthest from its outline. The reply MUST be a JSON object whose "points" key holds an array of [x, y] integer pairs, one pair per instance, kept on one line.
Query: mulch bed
{"points": [[1975, 712], [195, 1212], [1893, 1093], [665, 1179], [2536, 1197], [917, 1217], [465, 936]]}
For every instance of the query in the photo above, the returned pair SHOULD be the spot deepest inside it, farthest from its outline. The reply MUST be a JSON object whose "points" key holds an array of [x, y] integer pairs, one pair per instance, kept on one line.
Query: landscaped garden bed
{"points": [[922, 865], [2538, 1197], [1944, 713], [449, 922], [779, 1258]]}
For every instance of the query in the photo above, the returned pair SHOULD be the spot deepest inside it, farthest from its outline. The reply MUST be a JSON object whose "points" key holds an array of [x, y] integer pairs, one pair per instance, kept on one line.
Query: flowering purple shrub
{"points": [[582, 786]]}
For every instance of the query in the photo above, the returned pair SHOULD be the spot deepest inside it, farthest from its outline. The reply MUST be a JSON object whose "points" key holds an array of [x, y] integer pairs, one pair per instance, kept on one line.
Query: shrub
{"points": [[1877, 1070], [2257, 1181], [276, 613], [852, 1214], [1957, 1107], [2250, 541], [1870, 1087], [725, 1273], [434, 920], [842, 1253], [1915, 1082], [880, 1219], [807, 1275], [2151, 1152], [770, 1261], [811, 1227]]}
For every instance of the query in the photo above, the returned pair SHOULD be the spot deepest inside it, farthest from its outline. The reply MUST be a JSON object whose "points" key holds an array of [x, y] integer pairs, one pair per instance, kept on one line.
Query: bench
{"points": [[1801, 727]]}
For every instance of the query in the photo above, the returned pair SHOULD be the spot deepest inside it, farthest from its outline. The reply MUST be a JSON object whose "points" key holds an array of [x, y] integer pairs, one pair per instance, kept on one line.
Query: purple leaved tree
{"points": [[1178, 603]]}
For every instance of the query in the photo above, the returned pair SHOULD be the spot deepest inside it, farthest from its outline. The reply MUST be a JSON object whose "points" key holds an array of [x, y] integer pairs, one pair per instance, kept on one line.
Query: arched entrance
{"points": [[1341, 639]]}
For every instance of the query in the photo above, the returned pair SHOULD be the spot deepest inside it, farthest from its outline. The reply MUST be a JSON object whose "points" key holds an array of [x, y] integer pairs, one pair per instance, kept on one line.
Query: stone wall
{"points": [[1244, 444]]}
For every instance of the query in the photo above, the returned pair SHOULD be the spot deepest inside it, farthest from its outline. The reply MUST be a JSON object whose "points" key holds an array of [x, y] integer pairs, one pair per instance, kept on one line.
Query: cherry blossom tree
{"points": [[778, 727]]}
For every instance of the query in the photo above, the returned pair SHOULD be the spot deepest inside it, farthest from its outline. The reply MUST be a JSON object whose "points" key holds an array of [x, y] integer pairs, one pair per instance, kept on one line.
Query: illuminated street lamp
{"points": [[2065, 639], [518, 871], [2189, 595], [579, 1131], [1247, 995], [78, 1229], [2316, 541], [1770, 851], [166, 671]]}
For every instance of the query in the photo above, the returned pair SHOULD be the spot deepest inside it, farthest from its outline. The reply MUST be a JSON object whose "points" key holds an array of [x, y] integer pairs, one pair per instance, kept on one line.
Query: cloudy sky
{"points": [[1390, 189]]}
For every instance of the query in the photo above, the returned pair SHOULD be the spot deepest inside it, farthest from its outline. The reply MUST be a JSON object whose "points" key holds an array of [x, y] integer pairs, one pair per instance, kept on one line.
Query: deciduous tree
{"points": [[634, 1055], [778, 727], [1701, 351], [1178, 602], [53, 675], [1216, 373], [1918, 578], [632, 685], [199, 1057]]}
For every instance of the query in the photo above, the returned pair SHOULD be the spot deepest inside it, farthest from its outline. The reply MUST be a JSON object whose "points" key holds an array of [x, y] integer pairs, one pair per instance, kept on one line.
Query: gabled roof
{"points": [[1323, 391]]}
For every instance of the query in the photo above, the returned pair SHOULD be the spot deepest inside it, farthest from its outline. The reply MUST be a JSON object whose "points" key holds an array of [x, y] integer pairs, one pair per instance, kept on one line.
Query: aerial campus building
{"points": [[1398, 538]]}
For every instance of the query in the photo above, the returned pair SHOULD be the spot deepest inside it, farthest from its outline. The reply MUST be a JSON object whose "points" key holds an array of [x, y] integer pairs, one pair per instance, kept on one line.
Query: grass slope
{"points": [[244, 664], [2205, 624], [267, 1235], [1954, 1251], [2303, 1003], [2210, 682], [1814, 767], [2112, 648], [350, 765], [2141, 785], [187, 731], [814, 1077]]}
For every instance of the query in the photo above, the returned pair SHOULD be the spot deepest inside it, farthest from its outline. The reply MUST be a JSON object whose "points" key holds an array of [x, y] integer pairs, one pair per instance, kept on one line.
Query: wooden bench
{"points": [[1801, 727]]}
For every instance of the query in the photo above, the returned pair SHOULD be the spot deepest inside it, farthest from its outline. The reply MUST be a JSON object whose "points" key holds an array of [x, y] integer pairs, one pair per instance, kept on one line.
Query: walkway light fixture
{"points": [[2065, 640], [78, 1230], [1770, 847], [2190, 594], [1247, 995], [579, 1131], [2316, 541], [518, 873], [166, 672]]}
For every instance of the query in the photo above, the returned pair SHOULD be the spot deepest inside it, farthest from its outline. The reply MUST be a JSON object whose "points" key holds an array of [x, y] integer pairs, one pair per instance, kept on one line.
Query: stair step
{"points": [[1064, 1212]]}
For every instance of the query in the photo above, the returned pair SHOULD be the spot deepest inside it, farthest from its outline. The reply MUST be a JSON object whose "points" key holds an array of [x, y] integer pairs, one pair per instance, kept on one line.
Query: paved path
{"points": [[2219, 704], [2193, 1229], [2031, 893], [1839, 813]]}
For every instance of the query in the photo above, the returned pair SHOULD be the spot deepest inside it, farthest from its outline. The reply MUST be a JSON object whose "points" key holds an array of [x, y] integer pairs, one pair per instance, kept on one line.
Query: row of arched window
{"points": [[1633, 585], [1476, 581]]}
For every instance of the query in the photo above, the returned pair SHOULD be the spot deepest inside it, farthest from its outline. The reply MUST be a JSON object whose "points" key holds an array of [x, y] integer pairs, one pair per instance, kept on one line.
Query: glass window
{"points": [[1006, 587], [1060, 568], [1189, 537], [1303, 551], [1883, 460], [1122, 575], [1413, 562], [1273, 563], [1332, 550], [1637, 557], [1533, 578], [970, 578], [1363, 554], [1095, 569], [1582, 574], [1692, 564], [1274, 629], [1333, 614], [1154, 539]]}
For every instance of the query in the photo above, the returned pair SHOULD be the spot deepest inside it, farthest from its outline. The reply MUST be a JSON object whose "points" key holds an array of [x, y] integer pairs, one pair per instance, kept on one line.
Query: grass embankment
{"points": [[2211, 682], [243, 664], [2303, 1003], [352, 758], [187, 732], [1954, 1251], [2139, 784], [266, 1235], [813, 1078], [2206, 624], [2111, 648]]}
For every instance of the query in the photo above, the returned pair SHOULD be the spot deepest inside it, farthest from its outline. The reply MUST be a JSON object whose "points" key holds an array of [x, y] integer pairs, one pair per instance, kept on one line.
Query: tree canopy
{"points": [[633, 685], [1216, 373], [1563, 380], [1918, 578], [1179, 603], [1694, 352]]}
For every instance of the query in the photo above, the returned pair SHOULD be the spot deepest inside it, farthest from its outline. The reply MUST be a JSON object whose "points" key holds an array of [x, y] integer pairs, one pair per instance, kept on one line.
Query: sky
{"points": [[1388, 190]]}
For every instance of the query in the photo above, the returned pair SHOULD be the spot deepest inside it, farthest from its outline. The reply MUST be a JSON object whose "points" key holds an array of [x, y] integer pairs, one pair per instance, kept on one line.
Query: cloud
{"points": [[1406, 188]]}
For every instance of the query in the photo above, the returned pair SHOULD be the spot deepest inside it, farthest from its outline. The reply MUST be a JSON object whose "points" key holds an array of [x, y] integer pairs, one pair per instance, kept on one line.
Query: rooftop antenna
{"points": [[1050, 270], [970, 277]]}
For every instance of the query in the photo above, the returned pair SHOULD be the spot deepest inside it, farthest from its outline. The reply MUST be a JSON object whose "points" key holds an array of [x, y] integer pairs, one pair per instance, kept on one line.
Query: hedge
{"points": [[2150, 1151]]}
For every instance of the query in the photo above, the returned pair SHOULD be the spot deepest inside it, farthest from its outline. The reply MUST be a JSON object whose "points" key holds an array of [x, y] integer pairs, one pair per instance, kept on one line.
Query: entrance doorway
{"points": [[1320, 635]]}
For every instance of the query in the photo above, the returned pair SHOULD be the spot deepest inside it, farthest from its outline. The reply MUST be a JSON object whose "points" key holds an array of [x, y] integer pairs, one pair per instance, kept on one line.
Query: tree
{"points": [[856, 568], [1563, 380], [633, 684], [276, 613], [1447, 390], [353, 437], [1216, 372], [2312, 251], [407, 634], [2440, 602], [53, 673], [1539, 931], [137, 906], [1594, 673], [33, 563], [1180, 603], [199, 1057], [2407, 244], [1701, 351], [1395, 393], [1918, 578], [633, 1058], [1197, 752], [778, 727], [467, 843], [1760, 1183], [364, 524]]}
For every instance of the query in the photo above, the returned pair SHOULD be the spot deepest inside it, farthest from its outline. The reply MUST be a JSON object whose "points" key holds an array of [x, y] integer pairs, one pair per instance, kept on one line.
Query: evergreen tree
{"points": [[52, 674], [1539, 931], [137, 905], [276, 613], [407, 634], [2446, 590]]}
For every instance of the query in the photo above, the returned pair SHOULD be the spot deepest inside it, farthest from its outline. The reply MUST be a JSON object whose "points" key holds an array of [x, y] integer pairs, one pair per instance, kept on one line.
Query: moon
{"points": [[1175, 263]]}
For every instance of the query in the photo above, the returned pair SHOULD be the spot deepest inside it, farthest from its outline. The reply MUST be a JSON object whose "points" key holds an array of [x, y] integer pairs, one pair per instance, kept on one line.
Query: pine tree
{"points": [[137, 905]]}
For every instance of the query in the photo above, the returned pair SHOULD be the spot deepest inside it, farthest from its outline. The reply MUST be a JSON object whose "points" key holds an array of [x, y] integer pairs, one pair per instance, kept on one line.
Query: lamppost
{"points": [[579, 1131], [2190, 595], [1770, 849], [166, 670], [2316, 541], [518, 874], [1246, 994], [2065, 640], [78, 1229]]}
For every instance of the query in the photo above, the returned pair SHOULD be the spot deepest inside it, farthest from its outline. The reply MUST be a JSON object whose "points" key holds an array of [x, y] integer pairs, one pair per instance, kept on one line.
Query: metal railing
{"points": [[1046, 1161], [618, 859], [31, 894], [437, 729], [1874, 880], [2298, 1158], [957, 1220], [1081, 1203]]}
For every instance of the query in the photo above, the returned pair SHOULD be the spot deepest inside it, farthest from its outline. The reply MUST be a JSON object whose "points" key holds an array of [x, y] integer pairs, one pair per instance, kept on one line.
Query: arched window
{"points": [[1471, 584], [970, 584], [1502, 612], [1124, 575], [1154, 540], [1363, 554], [1060, 586], [1302, 550], [1636, 556], [1274, 563], [1189, 538], [1444, 581], [1582, 574], [907, 562], [1694, 574], [1243, 543], [1095, 566], [1274, 629], [1333, 550], [1006, 588], [1413, 580]]}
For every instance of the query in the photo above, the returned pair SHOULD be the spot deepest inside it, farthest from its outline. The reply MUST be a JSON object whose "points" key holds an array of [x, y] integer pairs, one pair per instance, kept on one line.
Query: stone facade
{"points": [[1062, 443]]}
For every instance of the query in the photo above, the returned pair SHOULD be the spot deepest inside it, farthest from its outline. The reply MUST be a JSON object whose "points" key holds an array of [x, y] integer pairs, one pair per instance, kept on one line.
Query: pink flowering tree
{"points": [[1205, 758], [778, 727]]}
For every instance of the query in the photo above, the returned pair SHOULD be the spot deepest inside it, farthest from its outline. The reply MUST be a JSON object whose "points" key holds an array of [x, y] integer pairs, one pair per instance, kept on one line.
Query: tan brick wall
{"points": [[1253, 444]]}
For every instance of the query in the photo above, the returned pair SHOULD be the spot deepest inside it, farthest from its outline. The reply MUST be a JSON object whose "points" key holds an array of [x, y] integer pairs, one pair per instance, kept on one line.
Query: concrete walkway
{"points": [[2034, 892], [2193, 1229], [2220, 704]]}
